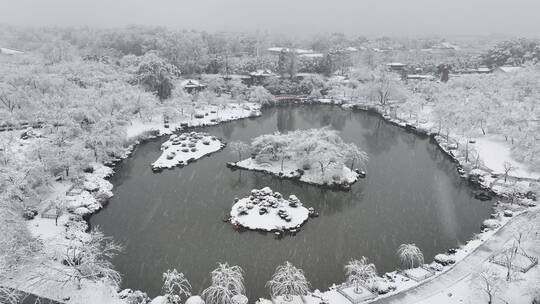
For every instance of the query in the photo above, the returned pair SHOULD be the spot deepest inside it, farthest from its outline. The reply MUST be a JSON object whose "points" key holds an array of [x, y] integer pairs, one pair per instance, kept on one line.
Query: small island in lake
{"points": [[181, 149], [314, 156], [267, 210]]}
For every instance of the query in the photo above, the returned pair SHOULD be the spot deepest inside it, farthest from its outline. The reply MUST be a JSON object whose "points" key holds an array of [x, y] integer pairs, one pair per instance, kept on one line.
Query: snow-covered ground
{"points": [[44, 274], [269, 211], [186, 147], [312, 176], [493, 150], [495, 153], [88, 198], [202, 115]]}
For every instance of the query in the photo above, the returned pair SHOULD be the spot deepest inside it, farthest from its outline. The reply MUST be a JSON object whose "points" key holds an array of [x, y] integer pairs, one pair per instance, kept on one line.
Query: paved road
{"points": [[469, 265]]}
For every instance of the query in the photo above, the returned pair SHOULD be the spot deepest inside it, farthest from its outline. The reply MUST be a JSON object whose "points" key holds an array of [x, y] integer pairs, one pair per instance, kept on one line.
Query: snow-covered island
{"points": [[181, 149], [267, 210], [314, 156]]}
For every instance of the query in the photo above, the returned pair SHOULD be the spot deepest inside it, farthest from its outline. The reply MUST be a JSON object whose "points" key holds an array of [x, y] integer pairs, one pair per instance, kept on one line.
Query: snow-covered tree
{"points": [[288, 281], [227, 282], [356, 156], [360, 272], [156, 75], [384, 87], [10, 296], [326, 155], [507, 168], [89, 260], [240, 148], [175, 286], [261, 96], [410, 255], [489, 282]]}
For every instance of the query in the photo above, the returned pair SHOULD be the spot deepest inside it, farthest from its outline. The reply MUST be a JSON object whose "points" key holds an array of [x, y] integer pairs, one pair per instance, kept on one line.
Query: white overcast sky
{"points": [[355, 17]]}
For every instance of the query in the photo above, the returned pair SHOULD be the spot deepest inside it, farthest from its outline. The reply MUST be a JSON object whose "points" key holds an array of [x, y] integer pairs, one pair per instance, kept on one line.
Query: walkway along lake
{"points": [[173, 219]]}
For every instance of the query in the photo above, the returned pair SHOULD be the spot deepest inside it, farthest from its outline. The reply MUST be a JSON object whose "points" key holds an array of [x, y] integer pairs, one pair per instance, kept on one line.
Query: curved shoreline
{"points": [[404, 125], [407, 128]]}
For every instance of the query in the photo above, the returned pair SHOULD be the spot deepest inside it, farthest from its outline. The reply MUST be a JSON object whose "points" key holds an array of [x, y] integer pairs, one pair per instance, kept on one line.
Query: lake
{"points": [[174, 219]]}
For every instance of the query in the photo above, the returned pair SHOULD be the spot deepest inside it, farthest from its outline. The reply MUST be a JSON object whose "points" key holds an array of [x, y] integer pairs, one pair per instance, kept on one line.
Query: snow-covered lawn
{"points": [[186, 147], [418, 273], [312, 176], [269, 211], [495, 152]]}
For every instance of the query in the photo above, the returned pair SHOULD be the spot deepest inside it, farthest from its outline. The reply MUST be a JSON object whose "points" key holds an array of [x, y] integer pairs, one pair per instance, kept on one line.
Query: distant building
{"points": [[312, 55], [480, 70], [258, 76], [243, 78], [420, 77], [278, 50], [483, 70], [396, 66], [191, 85], [444, 46], [301, 76], [507, 69]]}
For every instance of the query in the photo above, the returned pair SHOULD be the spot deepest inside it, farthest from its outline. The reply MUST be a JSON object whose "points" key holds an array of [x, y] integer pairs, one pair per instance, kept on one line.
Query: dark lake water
{"points": [[173, 219]]}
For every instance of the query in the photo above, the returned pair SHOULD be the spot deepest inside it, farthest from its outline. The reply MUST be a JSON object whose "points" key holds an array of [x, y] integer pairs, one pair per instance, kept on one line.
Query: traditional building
{"points": [[191, 86]]}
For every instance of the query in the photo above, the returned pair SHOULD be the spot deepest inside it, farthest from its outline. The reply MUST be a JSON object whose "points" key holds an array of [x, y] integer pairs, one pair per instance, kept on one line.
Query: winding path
{"points": [[469, 265]]}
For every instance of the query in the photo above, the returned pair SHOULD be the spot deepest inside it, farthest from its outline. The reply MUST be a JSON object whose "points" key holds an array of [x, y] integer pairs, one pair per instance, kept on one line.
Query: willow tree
{"points": [[360, 272], [175, 286], [227, 282], [288, 281], [410, 255]]}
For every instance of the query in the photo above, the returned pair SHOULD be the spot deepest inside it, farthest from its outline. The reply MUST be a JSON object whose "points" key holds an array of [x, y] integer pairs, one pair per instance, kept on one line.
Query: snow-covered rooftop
{"points": [[264, 72], [10, 51], [277, 49], [191, 83], [508, 69], [420, 76], [313, 55], [396, 64]]}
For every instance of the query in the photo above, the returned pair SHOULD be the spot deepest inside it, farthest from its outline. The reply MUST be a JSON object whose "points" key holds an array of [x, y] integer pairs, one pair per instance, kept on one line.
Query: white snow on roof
{"points": [[445, 45], [420, 76], [395, 64], [236, 76], [10, 51], [313, 55], [281, 49], [509, 69], [264, 72], [191, 83]]}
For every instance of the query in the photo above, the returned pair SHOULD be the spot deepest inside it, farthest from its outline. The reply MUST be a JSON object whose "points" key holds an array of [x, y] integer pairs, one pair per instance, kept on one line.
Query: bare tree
{"points": [[509, 256], [355, 154], [240, 148], [489, 282], [507, 168]]}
